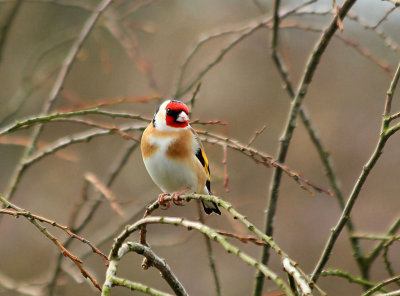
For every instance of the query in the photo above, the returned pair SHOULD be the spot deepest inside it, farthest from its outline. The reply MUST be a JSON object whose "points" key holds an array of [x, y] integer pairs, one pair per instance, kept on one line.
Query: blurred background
{"points": [[135, 54]]}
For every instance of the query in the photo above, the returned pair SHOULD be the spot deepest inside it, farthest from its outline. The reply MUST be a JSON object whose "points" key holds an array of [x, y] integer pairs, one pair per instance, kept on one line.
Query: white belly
{"points": [[169, 175]]}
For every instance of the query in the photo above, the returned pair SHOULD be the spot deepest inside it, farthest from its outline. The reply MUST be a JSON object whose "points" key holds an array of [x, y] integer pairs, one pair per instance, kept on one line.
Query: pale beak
{"points": [[182, 117]]}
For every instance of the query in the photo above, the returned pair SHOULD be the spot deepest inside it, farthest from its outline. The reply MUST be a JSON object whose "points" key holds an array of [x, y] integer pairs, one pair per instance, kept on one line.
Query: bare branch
{"points": [[157, 262], [309, 71], [58, 83], [5, 26], [34, 220], [380, 285], [386, 132], [211, 259], [205, 230]]}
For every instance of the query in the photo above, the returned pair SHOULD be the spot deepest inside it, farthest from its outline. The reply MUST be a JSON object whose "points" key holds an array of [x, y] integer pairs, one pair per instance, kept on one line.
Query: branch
{"points": [[34, 220], [247, 31], [325, 159], [211, 259], [5, 28], [297, 276], [157, 262], [236, 215], [81, 137], [105, 192], [349, 277], [375, 252], [310, 68], [30, 216], [262, 158], [114, 172], [21, 288], [386, 132], [390, 92], [58, 83], [380, 285], [349, 42], [211, 233], [55, 116]]}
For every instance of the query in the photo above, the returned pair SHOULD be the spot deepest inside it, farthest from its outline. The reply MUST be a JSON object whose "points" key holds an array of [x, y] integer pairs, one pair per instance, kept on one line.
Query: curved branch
{"points": [[58, 83], [237, 216], [211, 233], [157, 262]]}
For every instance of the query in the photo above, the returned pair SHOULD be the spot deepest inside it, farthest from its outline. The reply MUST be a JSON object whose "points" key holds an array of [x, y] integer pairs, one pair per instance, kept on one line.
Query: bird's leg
{"points": [[175, 196], [162, 202]]}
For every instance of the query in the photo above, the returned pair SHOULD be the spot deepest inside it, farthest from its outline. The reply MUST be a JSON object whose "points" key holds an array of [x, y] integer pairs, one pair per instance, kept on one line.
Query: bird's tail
{"points": [[210, 206]]}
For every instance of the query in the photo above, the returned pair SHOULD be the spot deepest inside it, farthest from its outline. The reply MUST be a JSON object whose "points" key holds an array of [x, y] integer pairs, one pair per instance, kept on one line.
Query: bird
{"points": [[174, 155]]}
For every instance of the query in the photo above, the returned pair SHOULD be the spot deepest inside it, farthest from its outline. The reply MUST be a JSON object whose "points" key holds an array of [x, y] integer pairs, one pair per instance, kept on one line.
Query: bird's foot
{"points": [[175, 196], [162, 202]]}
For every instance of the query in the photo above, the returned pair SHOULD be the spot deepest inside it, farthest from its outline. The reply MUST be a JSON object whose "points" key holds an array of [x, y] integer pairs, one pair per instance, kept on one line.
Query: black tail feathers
{"points": [[210, 206]]}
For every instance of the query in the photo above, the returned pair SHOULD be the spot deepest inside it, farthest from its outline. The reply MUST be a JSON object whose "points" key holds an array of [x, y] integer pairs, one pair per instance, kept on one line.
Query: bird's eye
{"points": [[169, 111]]}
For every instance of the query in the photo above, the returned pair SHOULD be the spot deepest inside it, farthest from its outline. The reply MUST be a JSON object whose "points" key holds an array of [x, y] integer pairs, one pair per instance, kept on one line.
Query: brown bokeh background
{"points": [[345, 102]]}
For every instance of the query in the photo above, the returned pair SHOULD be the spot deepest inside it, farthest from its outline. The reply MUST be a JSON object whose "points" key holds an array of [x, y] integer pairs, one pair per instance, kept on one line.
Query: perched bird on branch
{"points": [[174, 156]]}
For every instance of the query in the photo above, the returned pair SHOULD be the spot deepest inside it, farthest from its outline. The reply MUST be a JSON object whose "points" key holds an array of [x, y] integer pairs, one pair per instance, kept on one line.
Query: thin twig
{"points": [[386, 260], [256, 134], [20, 287], [247, 31], [390, 10], [262, 158], [29, 215], [310, 68], [5, 27], [203, 229], [211, 259], [194, 95], [349, 42], [324, 156], [81, 137], [237, 216], [157, 262], [349, 277], [58, 83], [244, 239], [34, 220], [390, 92], [114, 172], [62, 115], [380, 285], [225, 164], [106, 192], [385, 134]]}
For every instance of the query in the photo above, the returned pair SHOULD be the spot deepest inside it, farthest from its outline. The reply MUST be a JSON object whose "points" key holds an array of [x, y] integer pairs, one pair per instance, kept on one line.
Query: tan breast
{"points": [[182, 147]]}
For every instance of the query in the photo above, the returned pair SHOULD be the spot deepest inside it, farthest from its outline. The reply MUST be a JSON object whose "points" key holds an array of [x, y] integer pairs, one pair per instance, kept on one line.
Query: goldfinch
{"points": [[174, 156]]}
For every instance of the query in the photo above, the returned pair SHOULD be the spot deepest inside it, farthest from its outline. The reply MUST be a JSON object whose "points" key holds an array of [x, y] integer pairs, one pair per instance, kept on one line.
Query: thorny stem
{"points": [[290, 126]]}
